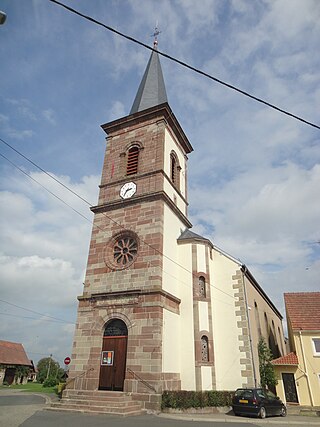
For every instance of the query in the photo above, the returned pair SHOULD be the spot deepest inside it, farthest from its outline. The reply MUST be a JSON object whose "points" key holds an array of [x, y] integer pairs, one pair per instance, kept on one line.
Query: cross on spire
{"points": [[155, 35], [152, 89]]}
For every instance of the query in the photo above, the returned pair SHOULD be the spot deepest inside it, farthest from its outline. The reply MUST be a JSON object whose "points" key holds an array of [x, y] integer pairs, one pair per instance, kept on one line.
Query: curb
{"points": [[241, 420]]}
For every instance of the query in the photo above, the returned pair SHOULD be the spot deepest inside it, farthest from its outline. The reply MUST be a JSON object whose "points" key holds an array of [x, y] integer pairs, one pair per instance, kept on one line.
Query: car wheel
{"points": [[283, 411], [262, 413]]}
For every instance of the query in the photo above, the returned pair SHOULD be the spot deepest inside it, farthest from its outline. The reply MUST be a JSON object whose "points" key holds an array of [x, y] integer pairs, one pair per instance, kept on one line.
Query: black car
{"points": [[257, 401]]}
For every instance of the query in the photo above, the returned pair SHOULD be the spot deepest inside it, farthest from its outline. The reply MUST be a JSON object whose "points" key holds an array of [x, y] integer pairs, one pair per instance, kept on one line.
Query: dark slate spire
{"points": [[152, 90]]}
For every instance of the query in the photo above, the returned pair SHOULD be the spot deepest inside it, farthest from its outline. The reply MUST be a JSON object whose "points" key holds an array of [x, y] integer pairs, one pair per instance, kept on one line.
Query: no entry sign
{"points": [[67, 360]]}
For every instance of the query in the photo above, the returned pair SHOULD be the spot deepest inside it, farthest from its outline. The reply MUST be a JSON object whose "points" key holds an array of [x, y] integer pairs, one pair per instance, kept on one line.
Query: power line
{"points": [[44, 171], [103, 213], [120, 225], [184, 64], [32, 318], [36, 312], [45, 188], [111, 219]]}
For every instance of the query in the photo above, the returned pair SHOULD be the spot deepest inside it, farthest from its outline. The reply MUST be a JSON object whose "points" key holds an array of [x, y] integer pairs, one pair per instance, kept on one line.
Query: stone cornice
{"points": [[160, 195], [162, 110]]}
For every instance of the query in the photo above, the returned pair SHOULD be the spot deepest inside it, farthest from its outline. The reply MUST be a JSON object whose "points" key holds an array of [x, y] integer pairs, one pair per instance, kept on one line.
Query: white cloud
{"points": [[49, 115]]}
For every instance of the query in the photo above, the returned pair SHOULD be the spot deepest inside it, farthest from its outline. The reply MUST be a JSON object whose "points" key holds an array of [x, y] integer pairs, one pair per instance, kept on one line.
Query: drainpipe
{"points": [[306, 369], [249, 327]]}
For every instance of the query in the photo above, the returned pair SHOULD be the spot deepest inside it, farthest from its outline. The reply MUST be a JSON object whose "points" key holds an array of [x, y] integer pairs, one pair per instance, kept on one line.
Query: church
{"points": [[162, 307]]}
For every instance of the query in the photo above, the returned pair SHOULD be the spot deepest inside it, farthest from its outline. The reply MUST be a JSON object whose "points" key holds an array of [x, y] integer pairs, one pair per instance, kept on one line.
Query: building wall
{"points": [[309, 364], [226, 330], [300, 386], [263, 322], [187, 349]]}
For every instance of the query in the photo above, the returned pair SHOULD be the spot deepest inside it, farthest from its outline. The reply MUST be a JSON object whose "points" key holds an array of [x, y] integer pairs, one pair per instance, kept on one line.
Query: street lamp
{"points": [[3, 17]]}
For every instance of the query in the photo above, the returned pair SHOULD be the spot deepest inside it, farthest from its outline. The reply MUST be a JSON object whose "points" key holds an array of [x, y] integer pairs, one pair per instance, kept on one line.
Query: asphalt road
{"points": [[19, 409], [16, 408]]}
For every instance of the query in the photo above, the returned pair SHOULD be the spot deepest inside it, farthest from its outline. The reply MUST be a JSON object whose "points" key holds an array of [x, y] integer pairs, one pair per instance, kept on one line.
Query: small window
{"points": [[316, 346], [204, 349], [202, 287], [132, 162], [174, 169]]}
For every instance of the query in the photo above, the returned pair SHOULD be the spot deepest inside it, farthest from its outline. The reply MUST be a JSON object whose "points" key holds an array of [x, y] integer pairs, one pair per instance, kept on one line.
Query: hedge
{"points": [[195, 399]]}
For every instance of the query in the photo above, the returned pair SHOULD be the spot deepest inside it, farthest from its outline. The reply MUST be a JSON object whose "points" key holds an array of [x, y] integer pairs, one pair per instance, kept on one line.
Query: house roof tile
{"points": [[288, 359], [303, 310], [12, 353]]}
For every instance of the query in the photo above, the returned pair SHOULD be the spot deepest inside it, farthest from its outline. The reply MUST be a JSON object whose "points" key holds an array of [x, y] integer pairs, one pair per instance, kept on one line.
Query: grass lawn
{"points": [[35, 387]]}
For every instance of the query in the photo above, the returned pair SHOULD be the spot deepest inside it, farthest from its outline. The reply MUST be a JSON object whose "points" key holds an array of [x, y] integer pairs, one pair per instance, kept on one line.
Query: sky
{"points": [[254, 174]]}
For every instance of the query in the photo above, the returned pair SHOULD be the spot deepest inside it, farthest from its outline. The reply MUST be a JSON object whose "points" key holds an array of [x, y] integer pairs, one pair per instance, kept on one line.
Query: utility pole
{"points": [[48, 371]]}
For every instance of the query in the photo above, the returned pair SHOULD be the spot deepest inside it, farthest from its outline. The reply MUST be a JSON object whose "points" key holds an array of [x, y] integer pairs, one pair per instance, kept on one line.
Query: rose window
{"points": [[122, 250], [125, 250]]}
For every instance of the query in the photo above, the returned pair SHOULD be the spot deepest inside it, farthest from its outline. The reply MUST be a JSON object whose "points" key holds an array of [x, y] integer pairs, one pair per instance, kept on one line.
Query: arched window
{"points": [[204, 349], [174, 169], [202, 287], [257, 318], [116, 328], [133, 160]]}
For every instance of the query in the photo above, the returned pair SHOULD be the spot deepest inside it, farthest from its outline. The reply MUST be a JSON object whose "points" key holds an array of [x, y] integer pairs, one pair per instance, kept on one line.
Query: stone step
{"points": [[88, 410], [103, 402], [97, 396], [97, 392], [303, 410]]}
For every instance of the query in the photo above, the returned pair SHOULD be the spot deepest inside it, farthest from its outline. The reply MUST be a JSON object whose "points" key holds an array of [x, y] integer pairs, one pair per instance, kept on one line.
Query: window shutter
{"points": [[132, 163]]}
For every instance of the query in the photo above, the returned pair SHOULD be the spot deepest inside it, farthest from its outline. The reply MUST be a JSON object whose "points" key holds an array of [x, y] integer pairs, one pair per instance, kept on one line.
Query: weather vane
{"points": [[155, 35]]}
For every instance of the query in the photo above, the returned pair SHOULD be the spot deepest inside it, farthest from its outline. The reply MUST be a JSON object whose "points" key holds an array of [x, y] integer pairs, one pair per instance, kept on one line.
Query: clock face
{"points": [[128, 190]]}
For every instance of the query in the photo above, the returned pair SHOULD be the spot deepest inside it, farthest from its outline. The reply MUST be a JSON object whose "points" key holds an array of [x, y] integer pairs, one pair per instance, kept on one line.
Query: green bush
{"points": [[49, 382], [195, 399]]}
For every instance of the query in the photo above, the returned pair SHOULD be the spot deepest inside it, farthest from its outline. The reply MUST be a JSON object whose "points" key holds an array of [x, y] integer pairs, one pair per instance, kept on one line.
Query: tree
{"points": [[267, 374], [48, 368]]}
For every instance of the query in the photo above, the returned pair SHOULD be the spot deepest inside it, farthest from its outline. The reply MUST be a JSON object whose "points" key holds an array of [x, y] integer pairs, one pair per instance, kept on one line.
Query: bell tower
{"points": [[130, 305]]}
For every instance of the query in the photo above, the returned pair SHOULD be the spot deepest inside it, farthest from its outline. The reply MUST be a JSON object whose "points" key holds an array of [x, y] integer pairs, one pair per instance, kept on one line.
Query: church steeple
{"points": [[152, 89]]}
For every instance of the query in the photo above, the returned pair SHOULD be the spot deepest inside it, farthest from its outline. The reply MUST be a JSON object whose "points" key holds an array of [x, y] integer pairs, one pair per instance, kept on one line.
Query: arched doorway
{"points": [[113, 356]]}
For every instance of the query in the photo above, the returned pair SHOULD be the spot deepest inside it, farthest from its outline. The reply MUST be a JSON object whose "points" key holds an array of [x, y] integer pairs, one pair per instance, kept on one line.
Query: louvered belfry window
{"points": [[132, 163], [173, 168]]}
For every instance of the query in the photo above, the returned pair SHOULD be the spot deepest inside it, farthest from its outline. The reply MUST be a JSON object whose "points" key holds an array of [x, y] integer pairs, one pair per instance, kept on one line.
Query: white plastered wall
{"points": [[178, 334], [225, 329], [206, 377]]}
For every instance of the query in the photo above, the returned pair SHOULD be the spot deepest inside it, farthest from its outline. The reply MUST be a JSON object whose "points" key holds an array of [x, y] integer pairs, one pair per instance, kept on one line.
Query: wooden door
{"points": [[290, 388], [113, 363]]}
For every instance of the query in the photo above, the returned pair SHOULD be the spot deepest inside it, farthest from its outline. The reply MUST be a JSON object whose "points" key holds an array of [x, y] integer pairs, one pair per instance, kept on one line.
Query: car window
{"points": [[270, 394], [261, 393], [244, 394]]}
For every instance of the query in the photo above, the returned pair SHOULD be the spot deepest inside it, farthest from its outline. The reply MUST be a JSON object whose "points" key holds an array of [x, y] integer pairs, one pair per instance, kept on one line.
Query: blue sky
{"points": [[254, 175]]}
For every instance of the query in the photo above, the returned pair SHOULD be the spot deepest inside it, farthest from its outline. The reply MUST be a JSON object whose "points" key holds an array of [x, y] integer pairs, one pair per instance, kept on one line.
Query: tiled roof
{"points": [[288, 359], [12, 353], [303, 310]]}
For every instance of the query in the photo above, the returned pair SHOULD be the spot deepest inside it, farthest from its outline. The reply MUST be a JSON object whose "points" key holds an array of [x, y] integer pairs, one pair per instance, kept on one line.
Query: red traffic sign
{"points": [[67, 360]]}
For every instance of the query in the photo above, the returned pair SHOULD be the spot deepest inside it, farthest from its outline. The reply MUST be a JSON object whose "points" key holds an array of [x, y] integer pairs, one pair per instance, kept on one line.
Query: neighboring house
{"points": [[299, 371], [12, 356], [162, 307], [32, 377]]}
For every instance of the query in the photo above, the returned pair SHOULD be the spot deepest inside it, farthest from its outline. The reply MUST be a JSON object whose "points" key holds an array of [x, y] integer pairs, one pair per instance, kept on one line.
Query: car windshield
{"points": [[244, 394]]}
